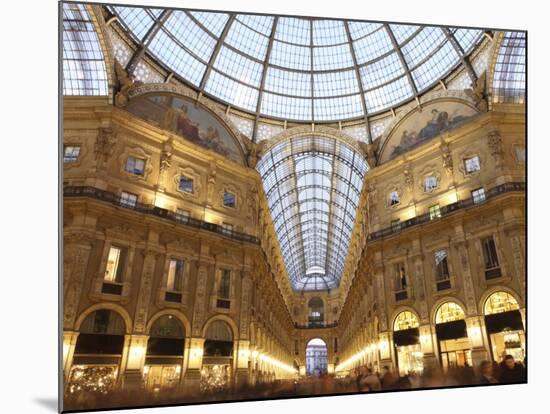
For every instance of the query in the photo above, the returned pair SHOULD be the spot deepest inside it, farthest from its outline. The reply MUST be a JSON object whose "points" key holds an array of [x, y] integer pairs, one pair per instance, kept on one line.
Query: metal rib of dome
{"points": [[313, 184], [300, 69]]}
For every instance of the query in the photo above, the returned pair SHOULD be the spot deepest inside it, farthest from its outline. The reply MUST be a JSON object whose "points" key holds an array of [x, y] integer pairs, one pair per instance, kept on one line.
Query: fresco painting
{"points": [[434, 120], [191, 122]]}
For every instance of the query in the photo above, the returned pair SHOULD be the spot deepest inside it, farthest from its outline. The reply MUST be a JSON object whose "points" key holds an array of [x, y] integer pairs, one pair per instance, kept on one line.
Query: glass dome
{"points": [[299, 69]]}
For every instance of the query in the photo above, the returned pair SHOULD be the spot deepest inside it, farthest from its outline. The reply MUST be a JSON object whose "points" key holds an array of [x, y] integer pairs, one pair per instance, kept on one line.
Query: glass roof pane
{"points": [[509, 77], [403, 31], [362, 29], [290, 56], [293, 30], [328, 32], [372, 46], [247, 40], [283, 81], [84, 70], [177, 58], [239, 67], [320, 167], [388, 95], [344, 107], [332, 57], [436, 66], [286, 107], [136, 18], [381, 71], [192, 36], [262, 24], [422, 45], [467, 38], [335, 83], [231, 91], [213, 22]]}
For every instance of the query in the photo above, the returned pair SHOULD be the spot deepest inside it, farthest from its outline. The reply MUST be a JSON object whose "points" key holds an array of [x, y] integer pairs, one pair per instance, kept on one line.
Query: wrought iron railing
{"points": [[112, 198], [446, 210]]}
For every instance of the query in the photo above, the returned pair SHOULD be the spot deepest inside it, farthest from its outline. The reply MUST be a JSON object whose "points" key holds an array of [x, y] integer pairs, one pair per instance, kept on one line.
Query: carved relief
{"points": [[200, 300], [125, 83], [478, 93], [447, 159], [494, 141], [145, 289], [104, 145], [408, 178], [75, 263], [165, 163]]}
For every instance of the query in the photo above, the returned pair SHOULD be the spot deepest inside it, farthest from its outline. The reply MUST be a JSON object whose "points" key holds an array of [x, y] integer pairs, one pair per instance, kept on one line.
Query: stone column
{"points": [[69, 344], [428, 345], [145, 289], [194, 363], [242, 357], [75, 263], [133, 374], [480, 348]]}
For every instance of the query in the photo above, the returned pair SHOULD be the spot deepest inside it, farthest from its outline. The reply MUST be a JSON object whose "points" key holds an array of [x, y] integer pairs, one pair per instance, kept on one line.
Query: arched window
{"points": [[316, 314], [103, 321], [219, 340], [316, 357], [449, 312], [405, 320], [166, 337], [500, 302]]}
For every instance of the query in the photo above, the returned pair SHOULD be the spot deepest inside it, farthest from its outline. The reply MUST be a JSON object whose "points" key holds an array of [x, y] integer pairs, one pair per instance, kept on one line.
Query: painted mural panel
{"points": [[192, 122], [420, 126]]}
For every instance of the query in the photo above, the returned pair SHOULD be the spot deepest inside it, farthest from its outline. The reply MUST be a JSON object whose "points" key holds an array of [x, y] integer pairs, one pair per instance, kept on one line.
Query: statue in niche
{"points": [[478, 93], [447, 159], [125, 84]]}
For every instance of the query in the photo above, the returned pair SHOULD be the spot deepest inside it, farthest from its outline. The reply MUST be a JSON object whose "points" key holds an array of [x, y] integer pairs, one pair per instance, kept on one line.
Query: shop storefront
{"points": [[164, 358], [98, 353], [455, 349], [217, 361], [504, 326], [406, 340]]}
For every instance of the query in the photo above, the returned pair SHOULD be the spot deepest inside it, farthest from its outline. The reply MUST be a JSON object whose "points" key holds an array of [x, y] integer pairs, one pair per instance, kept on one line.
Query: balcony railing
{"points": [[493, 273], [323, 325], [112, 198], [401, 295], [446, 210], [443, 284]]}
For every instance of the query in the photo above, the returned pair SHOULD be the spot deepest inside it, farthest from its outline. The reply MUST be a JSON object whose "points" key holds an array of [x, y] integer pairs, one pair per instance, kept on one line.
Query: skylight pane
{"points": [[288, 82], [435, 67], [403, 31], [422, 45], [290, 56], [328, 32], [388, 95], [372, 46], [137, 19], [214, 22], [362, 29], [335, 83], [509, 77], [286, 107], [176, 58], [188, 33], [293, 30], [239, 67], [467, 38], [84, 71], [332, 57], [247, 40], [232, 92], [262, 24], [345, 107], [381, 71]]}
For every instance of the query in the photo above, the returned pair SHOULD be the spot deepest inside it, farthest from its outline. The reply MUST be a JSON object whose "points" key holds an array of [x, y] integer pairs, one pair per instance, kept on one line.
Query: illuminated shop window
{"points": [[128, 199], [174, 282], [448, 312], [405, 320], [115, 264], [500, 302], [229, 199], [472, 164], [186, 184], [478, 195], [71, 154], [135, 165], [434, 211]]}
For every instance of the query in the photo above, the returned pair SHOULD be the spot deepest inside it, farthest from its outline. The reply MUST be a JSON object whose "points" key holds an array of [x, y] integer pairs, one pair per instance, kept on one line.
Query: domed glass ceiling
{"points": [[301, 69]]}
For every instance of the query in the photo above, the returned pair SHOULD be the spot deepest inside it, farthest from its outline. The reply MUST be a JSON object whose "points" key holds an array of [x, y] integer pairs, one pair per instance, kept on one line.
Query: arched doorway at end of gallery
{"points": [[316, 357]]}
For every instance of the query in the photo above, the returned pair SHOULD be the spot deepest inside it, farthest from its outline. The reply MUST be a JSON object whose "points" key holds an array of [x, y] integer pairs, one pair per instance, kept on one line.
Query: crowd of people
{"points": [[363, 379], [508, 371]]}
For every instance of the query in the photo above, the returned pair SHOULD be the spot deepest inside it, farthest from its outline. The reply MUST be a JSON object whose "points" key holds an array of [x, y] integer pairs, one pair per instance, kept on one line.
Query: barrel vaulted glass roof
{"points": [[313, 184], [298, 68]]}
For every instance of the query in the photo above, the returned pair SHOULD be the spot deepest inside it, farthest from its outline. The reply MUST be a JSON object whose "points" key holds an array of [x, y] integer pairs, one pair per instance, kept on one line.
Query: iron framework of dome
{"points": [[298, 69]]}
